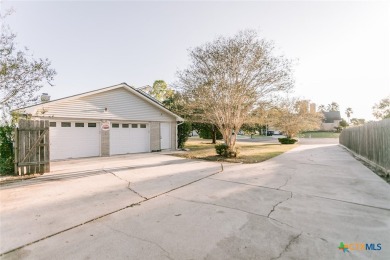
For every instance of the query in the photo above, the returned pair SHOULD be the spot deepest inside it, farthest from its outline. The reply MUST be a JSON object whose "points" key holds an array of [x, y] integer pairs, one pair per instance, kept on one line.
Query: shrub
{"points": [[6, 150], [287, 140], [338, 129], [183, 130], [223, 150]]}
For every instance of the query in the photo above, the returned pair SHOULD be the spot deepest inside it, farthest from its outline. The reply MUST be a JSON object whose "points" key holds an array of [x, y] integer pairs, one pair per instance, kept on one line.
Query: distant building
{"points": [[304, 106], [331, 120], [307, 107]]}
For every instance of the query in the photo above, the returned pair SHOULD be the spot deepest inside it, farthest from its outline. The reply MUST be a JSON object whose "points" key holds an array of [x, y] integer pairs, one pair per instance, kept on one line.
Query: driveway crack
{"points": [[217, 205], [287, 180], [128, 184], [136, 192], [287, 246], [280, 202], [166, 253], [300, 193], [227, 207]]}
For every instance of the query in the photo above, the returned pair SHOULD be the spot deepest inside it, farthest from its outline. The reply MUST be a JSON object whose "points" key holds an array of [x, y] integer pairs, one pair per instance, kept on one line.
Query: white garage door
{"points": [[165, 131], [129, 138], [74, 139]]}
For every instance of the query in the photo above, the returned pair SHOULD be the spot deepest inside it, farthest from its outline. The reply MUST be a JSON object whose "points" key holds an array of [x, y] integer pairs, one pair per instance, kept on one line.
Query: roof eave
{"points": [[32, 108]]}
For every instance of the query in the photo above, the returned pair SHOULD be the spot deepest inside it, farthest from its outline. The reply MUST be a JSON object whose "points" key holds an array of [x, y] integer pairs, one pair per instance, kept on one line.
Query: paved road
{"points": [[299, 205], [274, 139]]}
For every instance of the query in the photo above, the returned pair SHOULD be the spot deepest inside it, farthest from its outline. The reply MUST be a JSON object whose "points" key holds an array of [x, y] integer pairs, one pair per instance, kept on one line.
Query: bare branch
{"points": [[21, 76]]}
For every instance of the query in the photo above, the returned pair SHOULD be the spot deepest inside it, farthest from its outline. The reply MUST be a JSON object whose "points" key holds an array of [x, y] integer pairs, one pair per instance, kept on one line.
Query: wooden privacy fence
{"points": [[371, 141], [32, 147]]}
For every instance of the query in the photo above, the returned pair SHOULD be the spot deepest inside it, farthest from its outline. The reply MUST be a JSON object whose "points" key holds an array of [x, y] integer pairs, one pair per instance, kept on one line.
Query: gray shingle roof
{"points": [[331, 116]]}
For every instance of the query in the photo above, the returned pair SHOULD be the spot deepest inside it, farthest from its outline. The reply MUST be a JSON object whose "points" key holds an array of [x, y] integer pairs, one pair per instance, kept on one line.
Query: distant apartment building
{"points": [[331, 120]]}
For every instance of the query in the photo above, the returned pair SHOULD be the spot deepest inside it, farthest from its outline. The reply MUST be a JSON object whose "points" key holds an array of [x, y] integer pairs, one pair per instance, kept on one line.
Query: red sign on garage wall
{"points": [[105, 126]]}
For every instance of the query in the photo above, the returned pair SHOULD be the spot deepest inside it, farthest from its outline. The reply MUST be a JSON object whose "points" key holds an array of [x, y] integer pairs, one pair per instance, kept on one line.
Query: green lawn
{"points": [[318, 134], [248, 152]]}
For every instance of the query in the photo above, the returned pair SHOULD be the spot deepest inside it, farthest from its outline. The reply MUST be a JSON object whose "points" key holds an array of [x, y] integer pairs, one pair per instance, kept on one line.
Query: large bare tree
{"points": [[228, 77], [21, 75]]}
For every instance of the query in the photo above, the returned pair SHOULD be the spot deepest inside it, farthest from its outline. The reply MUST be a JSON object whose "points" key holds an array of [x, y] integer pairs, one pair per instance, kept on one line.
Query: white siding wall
{"points": [[120, 103], [330, 126]]}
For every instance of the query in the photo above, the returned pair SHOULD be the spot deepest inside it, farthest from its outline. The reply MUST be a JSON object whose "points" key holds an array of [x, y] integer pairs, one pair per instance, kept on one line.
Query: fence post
{"points": [[47, 146], [16, 151]]}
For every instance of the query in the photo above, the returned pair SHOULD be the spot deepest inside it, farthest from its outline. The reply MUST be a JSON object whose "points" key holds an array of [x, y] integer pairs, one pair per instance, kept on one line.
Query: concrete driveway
{"points": [[299, 205]]}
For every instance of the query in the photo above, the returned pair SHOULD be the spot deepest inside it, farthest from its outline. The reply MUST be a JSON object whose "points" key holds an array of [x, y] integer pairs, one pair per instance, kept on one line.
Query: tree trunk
{"points": [[214, 134], [232, 144], [230, 141], [226, 136]]}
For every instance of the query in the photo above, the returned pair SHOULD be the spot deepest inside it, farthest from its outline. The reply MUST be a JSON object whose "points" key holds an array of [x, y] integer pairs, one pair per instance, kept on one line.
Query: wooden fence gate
{"points": [[32, 146]]}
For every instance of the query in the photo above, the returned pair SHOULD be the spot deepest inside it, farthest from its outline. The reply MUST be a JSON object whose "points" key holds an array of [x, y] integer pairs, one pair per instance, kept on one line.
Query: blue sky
{"points": [[342, 48]]}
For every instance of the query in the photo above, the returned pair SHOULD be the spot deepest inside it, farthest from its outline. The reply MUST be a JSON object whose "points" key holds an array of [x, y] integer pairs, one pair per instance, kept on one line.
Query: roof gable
{"points": [[116, 102]]}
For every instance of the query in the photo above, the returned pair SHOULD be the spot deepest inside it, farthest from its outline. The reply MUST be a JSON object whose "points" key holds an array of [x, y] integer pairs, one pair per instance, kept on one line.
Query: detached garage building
{"points": [[115, 120]]}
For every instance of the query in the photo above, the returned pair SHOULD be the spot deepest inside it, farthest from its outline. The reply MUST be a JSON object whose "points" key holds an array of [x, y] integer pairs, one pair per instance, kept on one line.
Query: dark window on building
{"points": [[79, 125], [134, 125], [91, 124], [53, 124], [115, 125], [66, 124], [142, 125], [125, 125]]}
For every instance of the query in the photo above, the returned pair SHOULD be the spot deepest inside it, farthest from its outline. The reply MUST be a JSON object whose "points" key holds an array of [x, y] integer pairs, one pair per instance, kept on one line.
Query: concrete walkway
{"points": [[299, 205]]}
